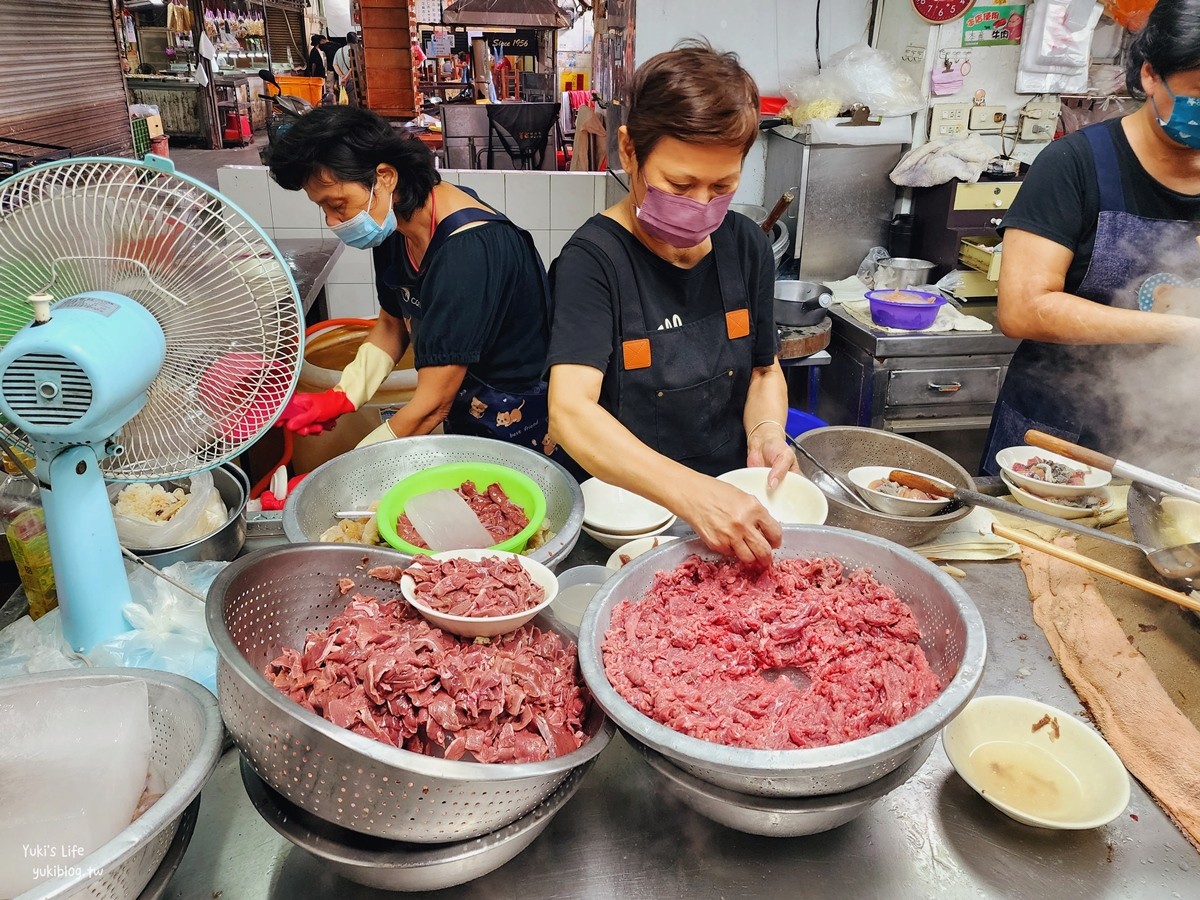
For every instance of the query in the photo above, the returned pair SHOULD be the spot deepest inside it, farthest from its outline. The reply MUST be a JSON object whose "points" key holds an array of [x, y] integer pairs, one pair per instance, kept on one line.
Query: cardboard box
{"points": [[154, 124]]}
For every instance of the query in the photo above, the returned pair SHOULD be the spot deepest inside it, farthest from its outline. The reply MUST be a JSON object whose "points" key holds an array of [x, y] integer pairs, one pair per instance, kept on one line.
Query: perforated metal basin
{"points": [[952, 637], [270, 600], [185, 745], [359, 478]]}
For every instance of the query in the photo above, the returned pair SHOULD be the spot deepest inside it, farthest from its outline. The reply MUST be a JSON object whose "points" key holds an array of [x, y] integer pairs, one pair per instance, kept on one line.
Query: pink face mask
{"points": [[680, 221]]}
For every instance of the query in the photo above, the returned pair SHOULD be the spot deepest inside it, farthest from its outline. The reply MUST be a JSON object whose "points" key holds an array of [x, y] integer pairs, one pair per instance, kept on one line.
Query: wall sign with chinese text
{"points": [[994, 25]]}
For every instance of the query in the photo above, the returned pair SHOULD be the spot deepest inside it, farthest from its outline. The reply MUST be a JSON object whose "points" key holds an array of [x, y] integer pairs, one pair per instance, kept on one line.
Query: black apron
{"points": [[1068, 389], [520, 414], [680, 391]]}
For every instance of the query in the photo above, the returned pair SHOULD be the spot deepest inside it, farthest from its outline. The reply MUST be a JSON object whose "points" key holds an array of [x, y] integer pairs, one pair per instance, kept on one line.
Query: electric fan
{"points": [[173, 342]]}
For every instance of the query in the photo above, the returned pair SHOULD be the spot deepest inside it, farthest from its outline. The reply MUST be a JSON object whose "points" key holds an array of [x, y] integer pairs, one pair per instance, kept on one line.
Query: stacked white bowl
{"points": [[615, 516]]}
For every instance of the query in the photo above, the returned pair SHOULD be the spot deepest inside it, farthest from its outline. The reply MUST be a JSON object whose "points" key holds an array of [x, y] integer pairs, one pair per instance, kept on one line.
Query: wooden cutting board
{"points": [[804, 341]]}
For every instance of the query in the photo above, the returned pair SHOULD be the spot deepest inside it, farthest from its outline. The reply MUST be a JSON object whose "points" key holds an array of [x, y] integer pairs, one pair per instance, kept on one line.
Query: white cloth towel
{"points": [[970, 538], [940, 160]]}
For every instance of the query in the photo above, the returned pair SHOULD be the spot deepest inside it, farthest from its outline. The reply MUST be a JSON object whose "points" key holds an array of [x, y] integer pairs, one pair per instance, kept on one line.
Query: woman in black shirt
{"points": [[316, 57]]}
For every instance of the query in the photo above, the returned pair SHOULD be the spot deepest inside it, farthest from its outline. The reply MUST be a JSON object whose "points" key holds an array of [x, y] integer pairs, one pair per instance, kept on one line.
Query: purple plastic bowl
{"points": [[911, 316]]}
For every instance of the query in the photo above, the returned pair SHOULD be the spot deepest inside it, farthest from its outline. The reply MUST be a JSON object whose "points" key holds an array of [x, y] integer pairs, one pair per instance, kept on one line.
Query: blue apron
{"points": [[1066, 389], [680, 391], [519, 414]]}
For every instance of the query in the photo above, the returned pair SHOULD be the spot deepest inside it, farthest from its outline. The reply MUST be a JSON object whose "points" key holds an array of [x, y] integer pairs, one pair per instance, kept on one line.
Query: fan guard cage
{"points": [[218, 287]]}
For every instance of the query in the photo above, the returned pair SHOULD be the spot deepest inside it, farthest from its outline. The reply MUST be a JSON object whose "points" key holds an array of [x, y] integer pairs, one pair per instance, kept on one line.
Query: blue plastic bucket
{"points": [[799, 422]]}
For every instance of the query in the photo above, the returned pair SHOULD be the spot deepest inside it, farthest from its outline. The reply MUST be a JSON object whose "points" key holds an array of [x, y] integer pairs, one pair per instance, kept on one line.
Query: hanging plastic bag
{"points": [[870, 263], [876, 79], [816, 97], [343, 97], [152, 516]]}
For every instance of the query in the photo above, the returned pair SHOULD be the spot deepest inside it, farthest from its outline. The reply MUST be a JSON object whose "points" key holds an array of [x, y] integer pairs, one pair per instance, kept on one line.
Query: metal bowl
{"points": [[801, 303], [186, 744], [775, 816], [226, 542], [845, 447], [359, 478], [397, 866], [952, 637], [270, 600], [757, 214]]}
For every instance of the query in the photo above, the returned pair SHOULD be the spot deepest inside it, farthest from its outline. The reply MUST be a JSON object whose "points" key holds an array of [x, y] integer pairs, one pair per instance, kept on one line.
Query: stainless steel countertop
{"points": [[622, 837], [884, 345], [310, 261]]}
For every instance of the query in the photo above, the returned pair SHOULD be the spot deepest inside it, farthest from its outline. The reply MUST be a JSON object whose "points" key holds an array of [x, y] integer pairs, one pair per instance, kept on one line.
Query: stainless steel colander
{"points": [[270, 600], [952, 637], [359, 478], [186, 736]]}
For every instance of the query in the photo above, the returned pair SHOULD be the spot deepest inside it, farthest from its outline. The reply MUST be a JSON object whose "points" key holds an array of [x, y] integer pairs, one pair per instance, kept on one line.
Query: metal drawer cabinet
{"points": [[942, 386]]}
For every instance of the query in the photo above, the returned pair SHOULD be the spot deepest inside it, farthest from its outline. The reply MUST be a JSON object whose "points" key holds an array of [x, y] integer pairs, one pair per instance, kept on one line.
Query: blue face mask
{"points": [[1184, 125], [362, 231]]}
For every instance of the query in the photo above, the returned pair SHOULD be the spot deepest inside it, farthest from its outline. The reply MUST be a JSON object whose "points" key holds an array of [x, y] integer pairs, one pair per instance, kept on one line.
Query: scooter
{"points": [[282, 111]]}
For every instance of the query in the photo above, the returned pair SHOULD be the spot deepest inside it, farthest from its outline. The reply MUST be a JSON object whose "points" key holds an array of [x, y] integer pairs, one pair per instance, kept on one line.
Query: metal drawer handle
{"points": [[948, 387]]}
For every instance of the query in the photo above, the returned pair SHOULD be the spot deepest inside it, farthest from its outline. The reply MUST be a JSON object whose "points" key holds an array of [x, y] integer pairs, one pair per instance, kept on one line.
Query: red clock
{"points": [[939, 11]]}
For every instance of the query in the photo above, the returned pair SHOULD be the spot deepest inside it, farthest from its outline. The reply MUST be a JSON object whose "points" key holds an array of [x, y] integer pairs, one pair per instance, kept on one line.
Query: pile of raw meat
{"points": [[499, 515], [382, 671], [494, 586], [802, 654], [1050, 471], [894, 489]]}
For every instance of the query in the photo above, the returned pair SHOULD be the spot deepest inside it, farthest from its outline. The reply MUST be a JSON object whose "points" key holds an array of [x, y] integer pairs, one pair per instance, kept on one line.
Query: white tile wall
{"points": [[550, 205], [572, 199], [353, 301]]}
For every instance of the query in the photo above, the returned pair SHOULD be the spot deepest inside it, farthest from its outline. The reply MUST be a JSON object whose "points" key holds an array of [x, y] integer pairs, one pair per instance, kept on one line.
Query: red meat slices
{"points": [[693, 652], [382, 671], [494, 586], [499, 515]]}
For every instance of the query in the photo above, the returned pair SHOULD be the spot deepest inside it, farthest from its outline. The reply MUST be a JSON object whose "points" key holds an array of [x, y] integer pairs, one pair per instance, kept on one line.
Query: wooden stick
{"points": [[1071, 451], [1028, 540], [921, 483]]}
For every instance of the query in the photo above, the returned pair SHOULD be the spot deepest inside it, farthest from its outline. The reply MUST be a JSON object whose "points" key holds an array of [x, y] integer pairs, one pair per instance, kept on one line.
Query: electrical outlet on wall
{"points": [[988, 118], [1039, 119], [946, 119]]}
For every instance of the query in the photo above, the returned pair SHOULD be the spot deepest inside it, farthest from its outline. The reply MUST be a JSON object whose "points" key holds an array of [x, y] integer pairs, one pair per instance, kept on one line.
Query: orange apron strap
{"points": [[636, 354], [737, 323]]}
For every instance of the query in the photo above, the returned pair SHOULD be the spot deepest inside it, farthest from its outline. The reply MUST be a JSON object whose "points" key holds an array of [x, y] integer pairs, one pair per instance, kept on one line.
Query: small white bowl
{"points": [[1093, 480], [634, 549], [613, 541], [1010, 751], [794, 501], [1049, 507], [576, 588], [862, 476], [615, 510], [483, 626]]}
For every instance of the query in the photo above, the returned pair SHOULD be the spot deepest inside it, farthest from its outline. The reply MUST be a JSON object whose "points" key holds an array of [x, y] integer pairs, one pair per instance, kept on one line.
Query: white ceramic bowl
{"points": [[634, 549], [1037, 764], [483, 626], [615, 510], [862, 476], [576, 587], [1094, 479], [613, 541], [794, 501], [1049, 507]]}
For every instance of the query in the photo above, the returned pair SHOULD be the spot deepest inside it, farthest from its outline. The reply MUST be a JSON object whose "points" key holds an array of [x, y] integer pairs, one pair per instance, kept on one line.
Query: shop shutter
{"points": [[285, 30], [60, 77]]}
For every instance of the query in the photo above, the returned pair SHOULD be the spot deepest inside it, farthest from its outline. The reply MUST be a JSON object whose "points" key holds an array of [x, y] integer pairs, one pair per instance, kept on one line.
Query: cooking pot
{"points": [[800, 303], [902, 272]]}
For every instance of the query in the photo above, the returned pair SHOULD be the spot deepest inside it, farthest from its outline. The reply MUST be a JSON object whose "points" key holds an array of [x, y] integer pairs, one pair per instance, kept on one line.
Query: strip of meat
{"points": [[499, 515], [494, 586]]}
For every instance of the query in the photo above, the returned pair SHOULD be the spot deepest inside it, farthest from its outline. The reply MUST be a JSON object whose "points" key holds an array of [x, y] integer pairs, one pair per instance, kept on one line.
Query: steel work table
{"points": [[620, 836]]}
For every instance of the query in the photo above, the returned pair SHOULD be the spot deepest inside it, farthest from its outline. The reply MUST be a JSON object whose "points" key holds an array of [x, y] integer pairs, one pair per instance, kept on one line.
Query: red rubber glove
{"points": [[270, 502], [314, 413]]}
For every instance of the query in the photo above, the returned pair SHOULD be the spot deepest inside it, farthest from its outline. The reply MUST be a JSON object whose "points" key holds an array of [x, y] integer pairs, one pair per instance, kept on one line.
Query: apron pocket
{"points": [[698, 420]]}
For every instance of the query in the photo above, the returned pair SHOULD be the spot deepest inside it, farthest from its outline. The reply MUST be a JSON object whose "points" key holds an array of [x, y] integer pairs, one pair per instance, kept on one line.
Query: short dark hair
{"points": [[695, 94], [1170, 43], [352, 37], [317, 39], [348, 143]]}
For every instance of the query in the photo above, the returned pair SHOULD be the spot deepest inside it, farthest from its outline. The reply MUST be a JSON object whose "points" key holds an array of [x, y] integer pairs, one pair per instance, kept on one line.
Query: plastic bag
{"points": [[169, 630], [870, 263], [876, 79], [816, 97], [200, 516]]}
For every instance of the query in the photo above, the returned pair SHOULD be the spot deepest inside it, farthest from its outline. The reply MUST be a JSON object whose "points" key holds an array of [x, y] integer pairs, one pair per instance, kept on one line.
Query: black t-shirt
{"points": [[1060, 197], [316, 63], [585, 309], [481, 304]]}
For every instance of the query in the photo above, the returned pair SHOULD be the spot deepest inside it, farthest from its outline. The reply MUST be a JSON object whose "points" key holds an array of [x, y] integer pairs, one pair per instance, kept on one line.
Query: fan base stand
{"points": [[89, 572]]}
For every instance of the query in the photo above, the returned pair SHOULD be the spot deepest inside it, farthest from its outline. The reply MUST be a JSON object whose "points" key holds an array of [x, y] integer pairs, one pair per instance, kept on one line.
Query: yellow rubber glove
{"points": [[362, 378], [378, 436]]}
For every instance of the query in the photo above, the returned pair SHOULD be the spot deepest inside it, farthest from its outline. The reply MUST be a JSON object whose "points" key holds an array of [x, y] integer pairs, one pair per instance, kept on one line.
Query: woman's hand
{"points": [[769, 447], [732, 522]]}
